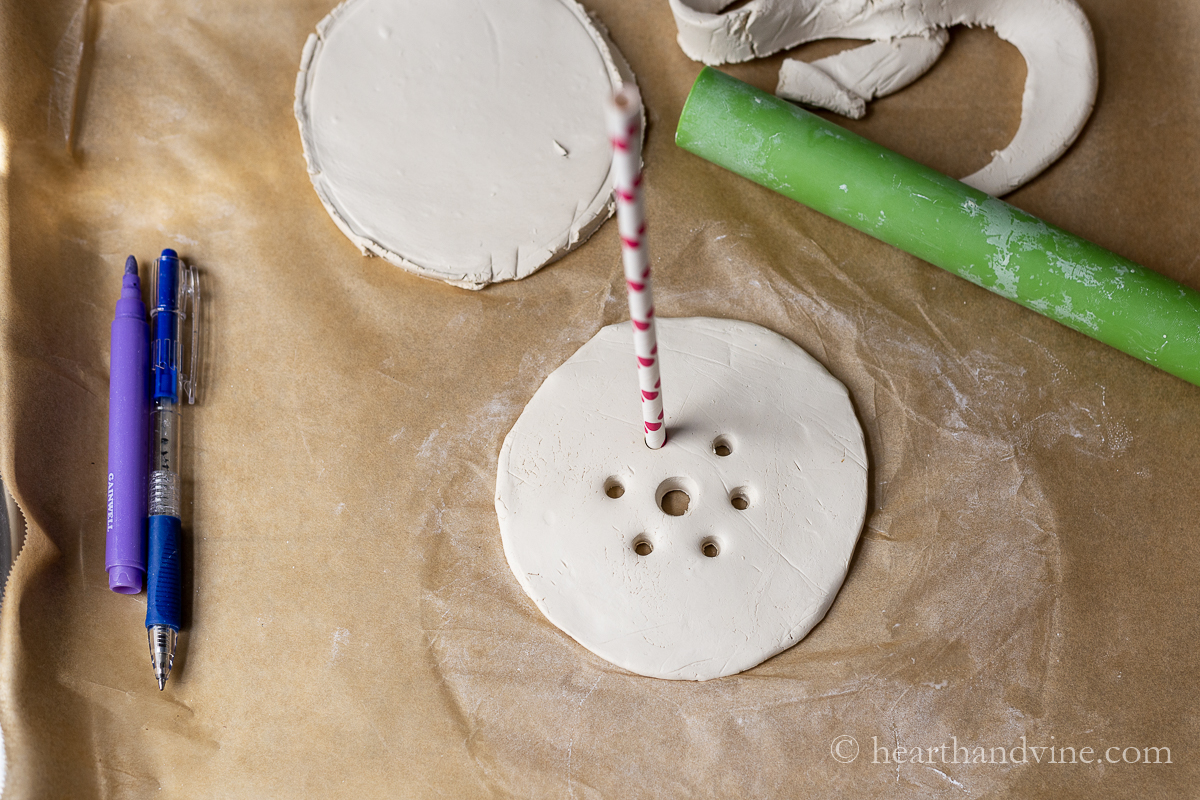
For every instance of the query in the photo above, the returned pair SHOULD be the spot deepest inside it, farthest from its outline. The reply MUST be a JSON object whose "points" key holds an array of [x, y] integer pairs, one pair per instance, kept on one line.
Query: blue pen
{"points": [[176, 298]]}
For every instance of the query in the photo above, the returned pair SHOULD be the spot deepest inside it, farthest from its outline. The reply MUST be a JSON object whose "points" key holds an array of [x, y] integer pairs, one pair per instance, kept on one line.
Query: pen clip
{"points": [[189, 308]]}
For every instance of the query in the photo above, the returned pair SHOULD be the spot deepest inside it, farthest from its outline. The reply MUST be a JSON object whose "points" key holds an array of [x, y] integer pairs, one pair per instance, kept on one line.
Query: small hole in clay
{"points": [[642, 546], [739, 499], [675, 502], [710, 548], [722, 446], [613, 488]]}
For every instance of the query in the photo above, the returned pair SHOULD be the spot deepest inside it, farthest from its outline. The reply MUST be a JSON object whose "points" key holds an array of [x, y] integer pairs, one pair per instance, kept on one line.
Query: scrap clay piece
{"points": [[765, 444], [464, 142], [1053, 36]]}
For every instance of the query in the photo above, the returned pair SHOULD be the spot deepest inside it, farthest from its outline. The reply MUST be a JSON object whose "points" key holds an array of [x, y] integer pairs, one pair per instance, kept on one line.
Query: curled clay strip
{"points": [[907, 37]]}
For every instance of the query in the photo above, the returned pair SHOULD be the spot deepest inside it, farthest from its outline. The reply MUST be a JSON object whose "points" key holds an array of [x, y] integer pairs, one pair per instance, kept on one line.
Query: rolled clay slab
{"points": [[459, 140], [762, 439]]}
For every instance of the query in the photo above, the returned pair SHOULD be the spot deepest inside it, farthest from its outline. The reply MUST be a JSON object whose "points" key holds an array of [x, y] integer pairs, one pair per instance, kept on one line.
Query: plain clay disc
{"points": [[762, 439], [461, 140]]}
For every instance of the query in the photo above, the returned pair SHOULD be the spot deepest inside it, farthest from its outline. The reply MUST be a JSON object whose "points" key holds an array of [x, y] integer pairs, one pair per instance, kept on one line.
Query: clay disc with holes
{"points": [[755, 560], [460, 140]]}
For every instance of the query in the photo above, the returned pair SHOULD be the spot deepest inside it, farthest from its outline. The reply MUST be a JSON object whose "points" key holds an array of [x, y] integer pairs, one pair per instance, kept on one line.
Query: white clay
{"points": [[1052, 35], [845, 82], [797, 457], [460, 140]]}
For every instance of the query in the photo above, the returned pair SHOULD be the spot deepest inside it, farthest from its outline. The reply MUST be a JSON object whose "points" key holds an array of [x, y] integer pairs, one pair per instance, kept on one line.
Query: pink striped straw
{"points": [[624, 129]]}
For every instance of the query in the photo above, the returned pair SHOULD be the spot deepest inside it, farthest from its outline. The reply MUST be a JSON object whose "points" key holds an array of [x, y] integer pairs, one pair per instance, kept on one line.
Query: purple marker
{"points": [[128, 438]]}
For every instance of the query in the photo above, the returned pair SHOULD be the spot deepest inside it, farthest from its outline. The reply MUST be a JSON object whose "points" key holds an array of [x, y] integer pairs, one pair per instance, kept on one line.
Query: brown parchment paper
{"points": [[1027, 573]]}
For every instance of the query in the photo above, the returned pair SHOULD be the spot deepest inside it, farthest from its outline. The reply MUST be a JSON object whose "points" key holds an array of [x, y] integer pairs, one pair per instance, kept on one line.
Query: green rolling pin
{"points": [[947, 223]]}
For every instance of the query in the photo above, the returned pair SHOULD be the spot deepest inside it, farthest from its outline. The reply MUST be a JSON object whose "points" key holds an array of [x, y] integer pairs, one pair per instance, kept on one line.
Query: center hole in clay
{"points": [[723, 446], [613, 488], [675, 502], [710, 548], [642, 546], [674, 495]]}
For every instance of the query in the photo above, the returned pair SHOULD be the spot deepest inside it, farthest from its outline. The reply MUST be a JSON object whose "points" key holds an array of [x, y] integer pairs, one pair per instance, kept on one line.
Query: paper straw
{"points": [[624, 129]]}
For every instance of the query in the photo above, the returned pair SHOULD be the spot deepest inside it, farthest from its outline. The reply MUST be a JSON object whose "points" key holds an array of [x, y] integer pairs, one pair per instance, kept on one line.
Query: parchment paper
{"points": [[1028, 564]]}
